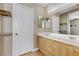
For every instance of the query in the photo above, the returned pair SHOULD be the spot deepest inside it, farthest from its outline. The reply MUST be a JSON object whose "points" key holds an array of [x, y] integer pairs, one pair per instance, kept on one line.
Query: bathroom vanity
{"points": [[57, 44]]}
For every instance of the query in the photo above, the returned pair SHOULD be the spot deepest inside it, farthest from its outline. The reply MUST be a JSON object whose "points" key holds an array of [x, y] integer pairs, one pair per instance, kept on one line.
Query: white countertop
{"points": [[68, 39]]}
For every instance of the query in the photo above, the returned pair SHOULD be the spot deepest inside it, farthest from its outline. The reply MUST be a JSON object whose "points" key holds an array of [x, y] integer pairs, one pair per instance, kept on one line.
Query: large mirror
{"points": [[69, 23], [64, 22]]}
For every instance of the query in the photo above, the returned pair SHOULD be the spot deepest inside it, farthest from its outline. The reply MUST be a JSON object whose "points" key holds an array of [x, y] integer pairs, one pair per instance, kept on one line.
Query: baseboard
{"points": [[35, 49], [25, 53], [29, 51]]}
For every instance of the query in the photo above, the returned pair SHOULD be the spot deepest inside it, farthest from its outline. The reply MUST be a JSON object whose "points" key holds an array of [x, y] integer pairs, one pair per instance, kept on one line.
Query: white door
{"points": [[22, 29]]}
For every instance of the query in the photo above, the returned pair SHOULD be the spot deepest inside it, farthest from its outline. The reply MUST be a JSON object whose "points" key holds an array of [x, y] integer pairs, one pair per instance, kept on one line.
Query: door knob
{"points": [[16, 34]]}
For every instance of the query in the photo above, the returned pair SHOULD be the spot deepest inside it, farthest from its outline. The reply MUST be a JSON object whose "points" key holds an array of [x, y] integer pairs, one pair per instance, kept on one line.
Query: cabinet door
{"points": [[40, 43], [48, 47], [56, 48], [69, 50], [76, 51], [62, 49], [66, 50]]}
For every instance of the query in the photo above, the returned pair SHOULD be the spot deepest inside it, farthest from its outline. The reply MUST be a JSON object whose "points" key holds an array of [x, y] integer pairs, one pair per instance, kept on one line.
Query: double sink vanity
{"points": [[66, 43], [52, 44]]}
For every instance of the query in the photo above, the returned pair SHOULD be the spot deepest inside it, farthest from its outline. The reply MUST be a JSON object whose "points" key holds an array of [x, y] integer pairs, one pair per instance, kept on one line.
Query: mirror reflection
{"points": [[65, 22], [44, 22], [74, 26], [69, 23]]}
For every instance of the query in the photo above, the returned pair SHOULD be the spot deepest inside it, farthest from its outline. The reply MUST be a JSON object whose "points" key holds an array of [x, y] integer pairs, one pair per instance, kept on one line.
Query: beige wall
{"points": [[0, 16], [6, 26], [38, 11], [0, 23], [0, 6], [0, 36]]}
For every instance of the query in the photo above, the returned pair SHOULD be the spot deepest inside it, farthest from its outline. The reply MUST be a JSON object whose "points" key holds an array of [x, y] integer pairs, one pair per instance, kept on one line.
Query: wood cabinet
{"points": [[76, 51], [48, 47], [55, 48], [40, 44], [66, 50]]}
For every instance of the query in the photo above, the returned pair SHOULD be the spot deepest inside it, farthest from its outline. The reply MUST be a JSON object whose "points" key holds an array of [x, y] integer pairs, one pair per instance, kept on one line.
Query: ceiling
{"points": [[47, 4], [53, 8], [41, 4]]}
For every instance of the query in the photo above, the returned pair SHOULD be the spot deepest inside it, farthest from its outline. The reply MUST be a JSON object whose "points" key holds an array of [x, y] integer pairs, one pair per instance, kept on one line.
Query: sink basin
{"points": [[73, 38], [61, 36]]}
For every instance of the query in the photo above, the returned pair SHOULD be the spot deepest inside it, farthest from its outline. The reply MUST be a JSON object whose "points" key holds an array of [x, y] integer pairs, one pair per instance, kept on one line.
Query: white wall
{"points": [[55, 23]]}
